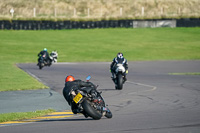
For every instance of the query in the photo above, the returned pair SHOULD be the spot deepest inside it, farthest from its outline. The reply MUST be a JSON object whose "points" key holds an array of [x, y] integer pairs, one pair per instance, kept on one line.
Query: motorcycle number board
{"points": [[77, 98]]}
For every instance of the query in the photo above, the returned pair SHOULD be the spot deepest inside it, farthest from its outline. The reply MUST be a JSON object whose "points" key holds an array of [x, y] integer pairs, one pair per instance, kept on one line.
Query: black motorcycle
{"points": [[44, 61], [90, 102]]}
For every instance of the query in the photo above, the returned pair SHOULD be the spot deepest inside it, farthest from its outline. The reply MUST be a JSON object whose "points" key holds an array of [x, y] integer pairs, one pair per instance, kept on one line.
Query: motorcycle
{"points": [[54, 56], [52, 59], [90, 102], [119, 80]]}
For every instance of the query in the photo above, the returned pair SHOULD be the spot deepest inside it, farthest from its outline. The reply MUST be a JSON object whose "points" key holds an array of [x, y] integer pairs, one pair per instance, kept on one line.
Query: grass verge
{"points": [[24, 115], [91, 45]]}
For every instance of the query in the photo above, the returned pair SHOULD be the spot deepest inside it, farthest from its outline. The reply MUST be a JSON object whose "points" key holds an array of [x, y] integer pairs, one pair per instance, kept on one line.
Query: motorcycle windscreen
{"points": [[88, 78], [120, 60]]}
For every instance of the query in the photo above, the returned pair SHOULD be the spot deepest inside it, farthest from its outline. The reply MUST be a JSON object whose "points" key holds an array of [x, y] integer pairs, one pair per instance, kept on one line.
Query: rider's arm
{"points": [[126, 65], [112, 64], [39, 53]]}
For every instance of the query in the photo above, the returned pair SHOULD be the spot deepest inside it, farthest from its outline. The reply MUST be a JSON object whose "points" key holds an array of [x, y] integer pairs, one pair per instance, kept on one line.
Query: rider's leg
{"points": [[113, 76], [125, 79]]}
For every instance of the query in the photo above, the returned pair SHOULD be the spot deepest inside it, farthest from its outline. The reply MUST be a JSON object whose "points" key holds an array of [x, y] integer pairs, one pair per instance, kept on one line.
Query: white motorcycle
{"points": [[119, 80], [53, 56]]}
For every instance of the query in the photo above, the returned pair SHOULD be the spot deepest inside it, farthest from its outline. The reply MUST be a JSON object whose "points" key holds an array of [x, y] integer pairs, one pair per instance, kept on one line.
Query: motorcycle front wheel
{"points": [[41, 65], [91, 111], [119, 81], [108, 115]]}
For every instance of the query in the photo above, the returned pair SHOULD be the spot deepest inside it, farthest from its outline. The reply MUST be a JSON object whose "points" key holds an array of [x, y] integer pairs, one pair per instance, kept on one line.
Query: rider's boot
{"points": [[86, 116], [75, 111]]}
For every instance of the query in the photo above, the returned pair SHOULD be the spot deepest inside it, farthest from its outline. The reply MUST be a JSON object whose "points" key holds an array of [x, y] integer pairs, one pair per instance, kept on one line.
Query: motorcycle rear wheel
{"points": [[96, 115]]}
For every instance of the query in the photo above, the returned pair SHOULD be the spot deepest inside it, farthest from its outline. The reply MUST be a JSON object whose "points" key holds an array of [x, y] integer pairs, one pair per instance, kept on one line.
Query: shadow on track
{"points": [[82, 119]]}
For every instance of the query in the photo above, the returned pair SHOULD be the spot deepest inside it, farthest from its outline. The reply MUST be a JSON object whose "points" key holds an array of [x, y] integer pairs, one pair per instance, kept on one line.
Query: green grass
{"points": [[91, 45], [13, 78], [24, 115]]}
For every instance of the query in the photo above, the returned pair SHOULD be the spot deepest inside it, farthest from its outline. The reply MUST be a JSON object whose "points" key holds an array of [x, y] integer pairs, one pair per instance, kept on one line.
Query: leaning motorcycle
{"points": [[90, 102], [42, 62], [120, 76], [52, 59]]}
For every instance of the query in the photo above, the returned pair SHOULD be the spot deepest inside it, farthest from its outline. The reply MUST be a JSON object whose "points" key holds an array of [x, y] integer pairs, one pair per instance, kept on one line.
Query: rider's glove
{"points": [[126, 71]]}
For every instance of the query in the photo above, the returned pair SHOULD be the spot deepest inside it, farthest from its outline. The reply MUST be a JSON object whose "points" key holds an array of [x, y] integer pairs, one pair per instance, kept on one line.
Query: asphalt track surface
{"points": [[151, 101]]}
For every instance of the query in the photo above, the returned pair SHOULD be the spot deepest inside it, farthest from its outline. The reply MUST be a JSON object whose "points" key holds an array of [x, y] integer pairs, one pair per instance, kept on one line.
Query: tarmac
{"points": [[31, 100]]}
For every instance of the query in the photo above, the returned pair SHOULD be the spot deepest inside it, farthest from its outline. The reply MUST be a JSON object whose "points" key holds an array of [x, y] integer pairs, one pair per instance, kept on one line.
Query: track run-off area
{"points": [[151, 101]]}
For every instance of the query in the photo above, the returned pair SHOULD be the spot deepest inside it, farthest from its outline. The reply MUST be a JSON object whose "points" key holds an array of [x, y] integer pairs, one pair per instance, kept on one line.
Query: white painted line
{"points": [[75, 63], [65, 63], [152, 87]]}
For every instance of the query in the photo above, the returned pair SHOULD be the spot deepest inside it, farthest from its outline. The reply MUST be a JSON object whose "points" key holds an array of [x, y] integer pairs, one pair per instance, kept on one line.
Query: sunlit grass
{"points": [[24, 115]]}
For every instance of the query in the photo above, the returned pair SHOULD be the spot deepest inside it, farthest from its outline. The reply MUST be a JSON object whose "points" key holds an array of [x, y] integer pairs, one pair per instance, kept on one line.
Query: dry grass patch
{"points": [[100, 9]]}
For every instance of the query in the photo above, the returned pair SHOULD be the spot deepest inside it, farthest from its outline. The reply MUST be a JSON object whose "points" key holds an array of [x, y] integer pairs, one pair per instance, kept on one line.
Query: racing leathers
{"points": [[74, 86], [114, 63], [45, 55]]}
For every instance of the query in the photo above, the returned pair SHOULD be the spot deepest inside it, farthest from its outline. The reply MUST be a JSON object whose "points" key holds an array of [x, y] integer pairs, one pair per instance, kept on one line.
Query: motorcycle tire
{"points": [[119, 82], [40, 66], [96, 115]]}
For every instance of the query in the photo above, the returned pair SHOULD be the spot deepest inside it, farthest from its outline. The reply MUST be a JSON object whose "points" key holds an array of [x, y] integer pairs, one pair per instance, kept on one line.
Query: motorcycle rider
{"points": [[72, 85], [46, 58], [119, 59]]}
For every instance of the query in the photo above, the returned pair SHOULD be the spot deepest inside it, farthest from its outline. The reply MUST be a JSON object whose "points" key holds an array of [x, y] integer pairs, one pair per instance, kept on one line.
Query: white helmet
{"points": [[120, 55]]}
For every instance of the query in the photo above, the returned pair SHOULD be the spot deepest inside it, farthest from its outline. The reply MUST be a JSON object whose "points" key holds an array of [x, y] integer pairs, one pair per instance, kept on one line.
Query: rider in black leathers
{"points": [[72, 85], [119, 59], [44, 52]]}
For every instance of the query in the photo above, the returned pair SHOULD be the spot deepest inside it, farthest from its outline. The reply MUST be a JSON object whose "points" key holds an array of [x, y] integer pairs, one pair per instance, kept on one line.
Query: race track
{"points": [[152, 100]]}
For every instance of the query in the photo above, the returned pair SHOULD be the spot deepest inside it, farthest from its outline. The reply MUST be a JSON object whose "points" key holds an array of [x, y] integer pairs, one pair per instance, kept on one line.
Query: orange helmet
{"points": [[69, 78]]}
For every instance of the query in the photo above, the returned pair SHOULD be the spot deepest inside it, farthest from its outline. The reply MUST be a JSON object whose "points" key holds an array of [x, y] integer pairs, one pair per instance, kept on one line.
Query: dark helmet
{"points": [[69, 78]]}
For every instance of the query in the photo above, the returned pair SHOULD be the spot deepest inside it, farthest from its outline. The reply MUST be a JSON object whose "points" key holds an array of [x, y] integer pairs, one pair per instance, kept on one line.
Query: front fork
{"points": [[114, 77], [103, 110]]}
